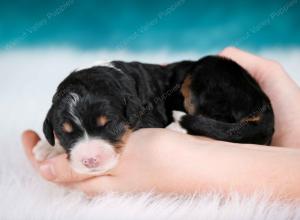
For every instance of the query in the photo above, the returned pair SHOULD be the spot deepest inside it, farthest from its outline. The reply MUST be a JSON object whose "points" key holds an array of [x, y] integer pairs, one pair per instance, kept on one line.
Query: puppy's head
{"points": [[91, 127]]}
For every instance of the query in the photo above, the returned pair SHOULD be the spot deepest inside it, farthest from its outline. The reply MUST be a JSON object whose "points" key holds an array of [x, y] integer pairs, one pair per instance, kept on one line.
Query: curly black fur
{"points": [[225, 102]]}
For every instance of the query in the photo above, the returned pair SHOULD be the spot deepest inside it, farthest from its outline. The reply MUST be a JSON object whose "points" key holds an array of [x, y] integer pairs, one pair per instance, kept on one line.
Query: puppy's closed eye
{"points": [[67, 127], [101, 120]]}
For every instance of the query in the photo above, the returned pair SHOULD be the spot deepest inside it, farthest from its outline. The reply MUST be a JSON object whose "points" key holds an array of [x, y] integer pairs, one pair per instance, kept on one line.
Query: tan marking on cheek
{"points": [[102, 120], [186, 92], [67, 127], [119, 146], [256, 118]]}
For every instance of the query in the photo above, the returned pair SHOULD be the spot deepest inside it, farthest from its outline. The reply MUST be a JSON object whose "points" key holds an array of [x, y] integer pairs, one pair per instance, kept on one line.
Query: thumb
{"points": [[58, 170]]}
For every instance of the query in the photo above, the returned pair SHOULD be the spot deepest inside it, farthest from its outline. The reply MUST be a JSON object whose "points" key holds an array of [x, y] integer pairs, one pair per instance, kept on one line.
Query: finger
{"points": [[58, 170], [29, 140], [96, 185], [245, 59], [252, 63], [269, 74]]}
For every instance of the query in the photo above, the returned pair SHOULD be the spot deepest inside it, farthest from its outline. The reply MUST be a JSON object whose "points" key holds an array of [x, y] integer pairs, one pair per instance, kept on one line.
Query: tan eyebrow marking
{"points": [[67, 127], [102, 120]]}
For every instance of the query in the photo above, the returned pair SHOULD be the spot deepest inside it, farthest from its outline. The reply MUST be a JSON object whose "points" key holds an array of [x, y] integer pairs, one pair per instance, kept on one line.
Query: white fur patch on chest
{"points": [[175, 126]]}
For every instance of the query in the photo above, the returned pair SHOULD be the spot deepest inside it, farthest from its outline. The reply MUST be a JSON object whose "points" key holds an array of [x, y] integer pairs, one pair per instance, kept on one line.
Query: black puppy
{"points": [[95, 109], [222, 101]]}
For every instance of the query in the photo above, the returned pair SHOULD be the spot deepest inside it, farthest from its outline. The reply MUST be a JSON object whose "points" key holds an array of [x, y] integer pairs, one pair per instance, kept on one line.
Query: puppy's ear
{"points": [[48, 128]]}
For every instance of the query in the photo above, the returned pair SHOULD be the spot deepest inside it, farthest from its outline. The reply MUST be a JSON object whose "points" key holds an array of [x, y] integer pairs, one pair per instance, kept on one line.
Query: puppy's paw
{"points": [[43, 150], [175, 126], [177, 115]]}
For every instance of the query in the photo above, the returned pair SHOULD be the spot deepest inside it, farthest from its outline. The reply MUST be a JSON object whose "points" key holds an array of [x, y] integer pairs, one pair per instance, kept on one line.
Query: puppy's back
{"points": [[224, 102]]}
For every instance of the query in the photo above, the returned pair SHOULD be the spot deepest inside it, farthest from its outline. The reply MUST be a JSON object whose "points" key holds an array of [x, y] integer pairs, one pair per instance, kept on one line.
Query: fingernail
{"points": [[47, 171]]}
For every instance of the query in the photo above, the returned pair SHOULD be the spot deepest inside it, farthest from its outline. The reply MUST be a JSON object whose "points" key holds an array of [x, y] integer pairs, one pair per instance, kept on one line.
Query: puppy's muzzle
{"points": [[92, 162]]}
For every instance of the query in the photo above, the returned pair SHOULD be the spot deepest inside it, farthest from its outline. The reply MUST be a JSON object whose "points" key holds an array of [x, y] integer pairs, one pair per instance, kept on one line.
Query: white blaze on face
{"points": [[89, 155], [73, 100], [93, 156]]}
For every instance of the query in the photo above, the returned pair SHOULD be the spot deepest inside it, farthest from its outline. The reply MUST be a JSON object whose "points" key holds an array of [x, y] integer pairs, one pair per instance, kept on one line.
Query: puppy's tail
{"points": [[255, 129]]}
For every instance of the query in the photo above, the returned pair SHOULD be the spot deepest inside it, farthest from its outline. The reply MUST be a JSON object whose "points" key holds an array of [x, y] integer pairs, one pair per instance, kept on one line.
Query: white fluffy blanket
{"points": [[28, 80]]}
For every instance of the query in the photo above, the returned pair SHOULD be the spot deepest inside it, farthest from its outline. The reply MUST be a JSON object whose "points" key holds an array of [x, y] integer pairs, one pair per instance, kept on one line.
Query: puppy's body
{"points": [[223, 101], [95, 109]]}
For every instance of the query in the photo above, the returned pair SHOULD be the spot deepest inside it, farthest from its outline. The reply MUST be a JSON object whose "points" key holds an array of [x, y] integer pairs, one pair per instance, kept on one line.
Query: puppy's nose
{"points": [[91, 162]]}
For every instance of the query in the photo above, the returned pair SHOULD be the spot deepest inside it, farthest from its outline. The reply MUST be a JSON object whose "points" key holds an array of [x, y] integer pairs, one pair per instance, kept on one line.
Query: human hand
{"points": [[146, 159], [283, 92], [165, 161]]}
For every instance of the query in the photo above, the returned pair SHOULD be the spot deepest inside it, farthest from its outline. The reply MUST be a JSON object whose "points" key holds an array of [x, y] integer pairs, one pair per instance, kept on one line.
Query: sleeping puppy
{"points": [[222, 101], [95, 109]]}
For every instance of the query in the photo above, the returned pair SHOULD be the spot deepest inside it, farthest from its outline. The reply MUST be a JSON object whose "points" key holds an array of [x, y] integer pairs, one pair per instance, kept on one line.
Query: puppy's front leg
{"points": [[175, 126], [43, 150]]}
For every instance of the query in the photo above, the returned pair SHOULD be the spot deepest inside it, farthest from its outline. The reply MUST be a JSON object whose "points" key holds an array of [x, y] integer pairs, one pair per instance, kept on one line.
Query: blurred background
{"points": [[139, 25], [41, 42]]}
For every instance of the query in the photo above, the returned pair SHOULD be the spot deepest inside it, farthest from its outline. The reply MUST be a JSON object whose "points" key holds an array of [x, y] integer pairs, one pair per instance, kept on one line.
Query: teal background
{"points": [[149, 25]]}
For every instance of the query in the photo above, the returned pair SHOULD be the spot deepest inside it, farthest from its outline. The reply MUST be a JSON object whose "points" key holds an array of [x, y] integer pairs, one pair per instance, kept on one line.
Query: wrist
{"points": [[181, 161]]}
